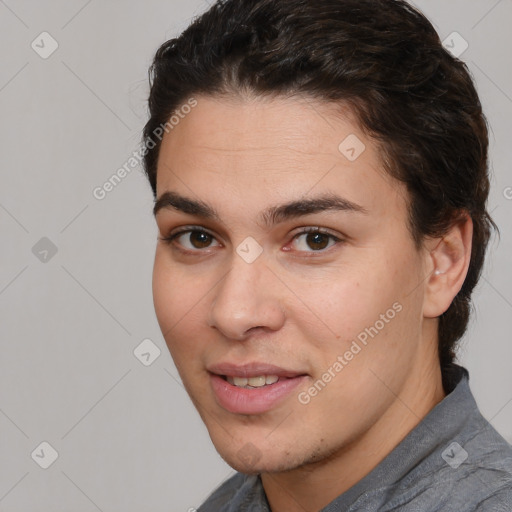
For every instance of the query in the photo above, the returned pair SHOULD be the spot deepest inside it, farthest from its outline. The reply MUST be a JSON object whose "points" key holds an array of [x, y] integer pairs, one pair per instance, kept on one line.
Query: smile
{"points": [[253, 382], [253, 388]]}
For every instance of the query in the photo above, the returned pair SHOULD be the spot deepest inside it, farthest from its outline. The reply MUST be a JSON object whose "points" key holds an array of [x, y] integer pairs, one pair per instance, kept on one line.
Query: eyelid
{"points": [[304, 230], [316, 229], [184, 230]]}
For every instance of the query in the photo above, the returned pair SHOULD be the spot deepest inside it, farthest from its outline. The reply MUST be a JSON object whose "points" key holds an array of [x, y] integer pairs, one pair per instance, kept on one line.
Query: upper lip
{"points": [[253, 369]]}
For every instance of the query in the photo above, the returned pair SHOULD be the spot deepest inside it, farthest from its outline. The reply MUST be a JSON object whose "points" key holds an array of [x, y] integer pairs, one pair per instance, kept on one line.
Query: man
{"points": [[320, 175]]}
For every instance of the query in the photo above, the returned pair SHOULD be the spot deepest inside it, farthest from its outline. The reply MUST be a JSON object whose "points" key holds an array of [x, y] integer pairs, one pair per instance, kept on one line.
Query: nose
{"points": [[247, 299]]}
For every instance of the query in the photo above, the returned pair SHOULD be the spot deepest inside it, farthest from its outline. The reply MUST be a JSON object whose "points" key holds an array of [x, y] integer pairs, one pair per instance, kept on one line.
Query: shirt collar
{"points": [[436, 430]]}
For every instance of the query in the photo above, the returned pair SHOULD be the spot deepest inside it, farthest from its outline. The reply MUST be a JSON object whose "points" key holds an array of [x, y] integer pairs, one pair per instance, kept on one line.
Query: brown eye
{"points": [[200, 239], [314, 240], [191, 239], [317, 241]]}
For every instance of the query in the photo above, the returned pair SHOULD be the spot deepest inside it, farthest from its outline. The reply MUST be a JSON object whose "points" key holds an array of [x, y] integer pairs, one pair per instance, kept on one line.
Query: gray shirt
{"points": [[453, 461]]}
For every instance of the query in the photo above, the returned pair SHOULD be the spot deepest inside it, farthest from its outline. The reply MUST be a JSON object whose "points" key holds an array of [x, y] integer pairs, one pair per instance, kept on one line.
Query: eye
{"points": [[195, 239], [315, 239], [191, 239]]}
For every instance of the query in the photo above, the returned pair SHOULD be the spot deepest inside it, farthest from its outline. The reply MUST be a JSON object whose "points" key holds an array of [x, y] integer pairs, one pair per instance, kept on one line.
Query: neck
{"points": [[311, 487]]}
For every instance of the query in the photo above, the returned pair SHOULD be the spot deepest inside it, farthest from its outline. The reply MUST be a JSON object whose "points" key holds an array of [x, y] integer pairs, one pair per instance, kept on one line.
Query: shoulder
{"points": [[238, 493], [500, 501], [467, 466], [488, 454], [489, 467], [475, 473]]}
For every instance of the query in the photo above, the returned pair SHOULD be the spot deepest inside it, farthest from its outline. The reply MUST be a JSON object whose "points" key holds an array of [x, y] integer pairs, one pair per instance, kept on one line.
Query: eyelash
{"points": [[170, 239]]}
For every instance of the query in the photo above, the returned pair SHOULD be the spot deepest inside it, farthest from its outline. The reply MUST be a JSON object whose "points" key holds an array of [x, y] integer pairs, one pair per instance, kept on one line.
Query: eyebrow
{"points": [[270, 216]]}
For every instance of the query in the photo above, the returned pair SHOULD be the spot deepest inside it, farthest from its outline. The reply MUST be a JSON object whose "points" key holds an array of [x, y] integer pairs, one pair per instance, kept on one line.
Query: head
{"points": [[352, 115]]}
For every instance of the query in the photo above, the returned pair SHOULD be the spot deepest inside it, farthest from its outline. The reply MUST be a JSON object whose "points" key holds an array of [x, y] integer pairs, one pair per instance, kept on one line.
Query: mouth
{"points": [[251, 382], [253, 388]]}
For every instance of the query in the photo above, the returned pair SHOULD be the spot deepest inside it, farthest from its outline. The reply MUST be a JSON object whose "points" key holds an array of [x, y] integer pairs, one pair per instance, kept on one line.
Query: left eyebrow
{"points": [[302, 207], [270, 216]]}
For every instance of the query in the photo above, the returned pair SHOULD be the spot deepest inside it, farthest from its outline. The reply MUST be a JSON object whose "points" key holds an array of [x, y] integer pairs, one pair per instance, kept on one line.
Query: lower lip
{"points": [[252, 401]]}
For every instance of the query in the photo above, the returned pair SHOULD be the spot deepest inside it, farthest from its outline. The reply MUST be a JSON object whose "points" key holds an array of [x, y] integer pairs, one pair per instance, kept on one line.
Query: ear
{"points": [[447, 261]]}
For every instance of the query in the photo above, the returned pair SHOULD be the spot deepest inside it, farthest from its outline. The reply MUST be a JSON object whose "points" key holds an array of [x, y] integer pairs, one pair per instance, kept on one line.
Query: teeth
{"points": [[271, 379], [253, 382], [257, 382]]}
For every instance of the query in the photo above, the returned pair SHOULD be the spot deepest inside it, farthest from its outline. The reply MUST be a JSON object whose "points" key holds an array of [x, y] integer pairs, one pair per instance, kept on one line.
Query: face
{"points": [[289, 325]]}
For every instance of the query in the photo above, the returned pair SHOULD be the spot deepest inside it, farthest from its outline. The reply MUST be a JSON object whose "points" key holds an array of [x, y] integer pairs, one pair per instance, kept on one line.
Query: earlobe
{"points": [[448, 263]]}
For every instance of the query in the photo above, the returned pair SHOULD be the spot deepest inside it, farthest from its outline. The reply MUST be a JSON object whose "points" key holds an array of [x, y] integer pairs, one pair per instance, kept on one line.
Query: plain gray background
{"points": [[126, 435]]}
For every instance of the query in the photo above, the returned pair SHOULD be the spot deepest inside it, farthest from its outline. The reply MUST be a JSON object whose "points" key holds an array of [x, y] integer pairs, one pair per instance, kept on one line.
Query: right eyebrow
{"points": [[271, 216], [173, 200]]}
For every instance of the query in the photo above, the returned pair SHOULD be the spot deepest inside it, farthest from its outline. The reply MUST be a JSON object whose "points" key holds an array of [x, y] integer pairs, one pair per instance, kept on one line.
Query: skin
{"points": [[295, 306]]}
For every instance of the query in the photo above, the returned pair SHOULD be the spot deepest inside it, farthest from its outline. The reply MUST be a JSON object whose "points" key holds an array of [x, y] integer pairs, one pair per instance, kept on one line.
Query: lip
{"points": [[252, 370], [252, 401]]}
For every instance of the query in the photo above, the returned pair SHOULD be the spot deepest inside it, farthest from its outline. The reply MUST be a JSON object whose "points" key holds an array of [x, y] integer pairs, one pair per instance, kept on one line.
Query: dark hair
{"points": [[385, 60]]}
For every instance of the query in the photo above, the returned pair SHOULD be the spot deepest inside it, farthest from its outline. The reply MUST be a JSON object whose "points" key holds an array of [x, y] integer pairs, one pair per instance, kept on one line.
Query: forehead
{"points": [[262, 124], [287, 146]]}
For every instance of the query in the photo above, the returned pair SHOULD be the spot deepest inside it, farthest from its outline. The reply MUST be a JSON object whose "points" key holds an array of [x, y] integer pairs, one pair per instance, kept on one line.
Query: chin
{"points": [[250, 459], [265, 465]]}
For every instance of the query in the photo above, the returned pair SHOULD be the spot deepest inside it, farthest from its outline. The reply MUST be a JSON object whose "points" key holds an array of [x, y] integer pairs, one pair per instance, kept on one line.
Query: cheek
{"points": [[339, 308], [164, 292], [371, 305], [379, 343], [176, 298]]}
